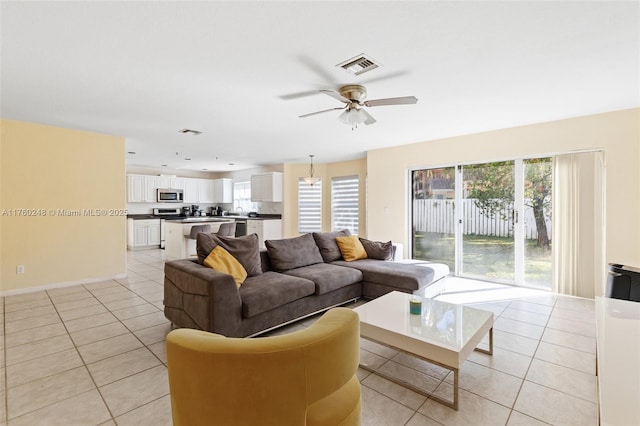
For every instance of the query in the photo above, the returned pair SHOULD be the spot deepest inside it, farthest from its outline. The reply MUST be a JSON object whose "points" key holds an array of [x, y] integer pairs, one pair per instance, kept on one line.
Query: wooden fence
{"points": [[438, 216]]}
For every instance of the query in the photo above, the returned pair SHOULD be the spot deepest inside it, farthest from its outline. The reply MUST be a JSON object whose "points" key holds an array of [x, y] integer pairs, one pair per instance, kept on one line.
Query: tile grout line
{"points": [[75, 346]]}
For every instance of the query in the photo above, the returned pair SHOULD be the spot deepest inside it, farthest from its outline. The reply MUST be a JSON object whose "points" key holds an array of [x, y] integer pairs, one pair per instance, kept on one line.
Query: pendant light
{"points": [[311, 180]]}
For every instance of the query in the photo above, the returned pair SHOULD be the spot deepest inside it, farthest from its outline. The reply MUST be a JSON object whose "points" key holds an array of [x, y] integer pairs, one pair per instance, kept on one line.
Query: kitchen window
{"points": [[242, 197]]}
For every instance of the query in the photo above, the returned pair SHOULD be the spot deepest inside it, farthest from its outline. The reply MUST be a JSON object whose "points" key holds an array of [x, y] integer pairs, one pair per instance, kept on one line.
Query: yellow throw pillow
{"points": [[222, 261], [351, 248]]}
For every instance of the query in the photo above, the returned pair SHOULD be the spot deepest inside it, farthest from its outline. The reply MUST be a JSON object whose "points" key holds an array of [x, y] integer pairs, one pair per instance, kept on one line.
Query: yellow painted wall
{"points": [[45, 170], [617, 133], [292, 172]]}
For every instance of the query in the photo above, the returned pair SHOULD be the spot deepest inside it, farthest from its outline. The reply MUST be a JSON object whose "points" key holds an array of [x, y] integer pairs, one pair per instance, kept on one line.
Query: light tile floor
{"points": [[94, 354]]}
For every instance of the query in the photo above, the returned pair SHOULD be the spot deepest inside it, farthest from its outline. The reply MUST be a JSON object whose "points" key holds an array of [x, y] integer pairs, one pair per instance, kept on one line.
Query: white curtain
{"points": [[578, 224]]}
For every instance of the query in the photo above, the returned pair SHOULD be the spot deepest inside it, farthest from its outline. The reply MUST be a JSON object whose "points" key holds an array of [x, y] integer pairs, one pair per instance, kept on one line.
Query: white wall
{"points": [[616, 133]]}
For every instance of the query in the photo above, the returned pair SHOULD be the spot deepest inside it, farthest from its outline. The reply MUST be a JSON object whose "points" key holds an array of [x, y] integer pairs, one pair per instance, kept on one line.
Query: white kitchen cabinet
{"points": [[223, 190], [143, 233], [206, 191], [135, 189], [266, 229], [191, 190], [176, 183], [141, 189], [266, 187]]}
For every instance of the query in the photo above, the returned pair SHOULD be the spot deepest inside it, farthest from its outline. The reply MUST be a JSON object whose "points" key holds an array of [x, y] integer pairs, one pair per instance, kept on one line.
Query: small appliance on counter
{"points": [[253, 214], [216, 211], [194, 210]]}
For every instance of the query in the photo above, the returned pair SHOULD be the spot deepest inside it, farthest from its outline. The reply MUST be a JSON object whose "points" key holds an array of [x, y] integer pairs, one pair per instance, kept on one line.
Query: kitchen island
{"points": [[178, 245]]}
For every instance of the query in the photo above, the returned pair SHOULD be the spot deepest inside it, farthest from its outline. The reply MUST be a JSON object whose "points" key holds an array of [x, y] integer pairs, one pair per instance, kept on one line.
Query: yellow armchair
{"points": [[305, 378]]}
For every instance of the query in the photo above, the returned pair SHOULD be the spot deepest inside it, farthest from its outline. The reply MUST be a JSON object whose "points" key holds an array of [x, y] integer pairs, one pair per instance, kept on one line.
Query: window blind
{"points": [[309, 206], [345, 204]]}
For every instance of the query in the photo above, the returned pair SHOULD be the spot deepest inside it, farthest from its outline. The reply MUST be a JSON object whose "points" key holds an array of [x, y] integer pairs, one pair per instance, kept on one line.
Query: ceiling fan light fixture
{"points": [[352, 117], [311, 180]]}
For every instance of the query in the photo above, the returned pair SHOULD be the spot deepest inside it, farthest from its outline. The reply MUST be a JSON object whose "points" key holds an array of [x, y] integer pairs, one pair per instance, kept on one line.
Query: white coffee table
{"points": [[444, 334]]}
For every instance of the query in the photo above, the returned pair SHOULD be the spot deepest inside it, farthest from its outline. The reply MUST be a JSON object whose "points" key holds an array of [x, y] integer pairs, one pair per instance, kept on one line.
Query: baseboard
{"points": [[60, 285]]}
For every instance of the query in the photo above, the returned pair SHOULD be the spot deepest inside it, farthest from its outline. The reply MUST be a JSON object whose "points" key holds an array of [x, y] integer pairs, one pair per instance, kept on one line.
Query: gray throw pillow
{"points": [[245, 249], [326, 242], [378, 249], [291, 253]]}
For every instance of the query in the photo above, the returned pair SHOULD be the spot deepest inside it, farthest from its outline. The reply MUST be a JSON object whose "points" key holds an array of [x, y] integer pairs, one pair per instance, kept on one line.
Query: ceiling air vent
{"points": [[359, 65], [189, 132]]}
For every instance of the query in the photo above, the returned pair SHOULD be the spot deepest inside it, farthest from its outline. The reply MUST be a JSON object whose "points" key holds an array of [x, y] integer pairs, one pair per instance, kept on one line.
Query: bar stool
{"points": [[227, 229], [197, 229], [193, 235]]}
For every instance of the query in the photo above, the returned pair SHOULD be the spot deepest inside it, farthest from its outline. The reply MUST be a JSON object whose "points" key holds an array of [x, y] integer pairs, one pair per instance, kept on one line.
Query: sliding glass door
{"points": [[489, 221], [488, 249], [433, 212]]}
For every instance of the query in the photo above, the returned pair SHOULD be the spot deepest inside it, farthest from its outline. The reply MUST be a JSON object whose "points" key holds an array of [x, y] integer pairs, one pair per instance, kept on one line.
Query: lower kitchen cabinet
{"points": [[143, 233], [266, 229]]}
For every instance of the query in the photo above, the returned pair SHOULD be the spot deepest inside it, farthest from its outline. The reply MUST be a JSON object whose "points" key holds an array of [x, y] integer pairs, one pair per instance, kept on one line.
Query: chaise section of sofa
{"points": [[380, 277]]}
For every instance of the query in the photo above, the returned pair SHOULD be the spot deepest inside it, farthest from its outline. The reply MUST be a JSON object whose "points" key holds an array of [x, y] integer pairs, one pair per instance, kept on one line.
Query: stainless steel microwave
{"points": [[170, 195]]}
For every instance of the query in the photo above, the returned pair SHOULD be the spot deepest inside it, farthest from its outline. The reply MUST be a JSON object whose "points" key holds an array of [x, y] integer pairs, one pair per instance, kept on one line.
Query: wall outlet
{"points": [[20, 269]]}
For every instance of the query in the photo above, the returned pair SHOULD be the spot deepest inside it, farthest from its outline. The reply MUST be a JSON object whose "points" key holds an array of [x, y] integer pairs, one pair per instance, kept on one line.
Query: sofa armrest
{"points": [[210, 298]]}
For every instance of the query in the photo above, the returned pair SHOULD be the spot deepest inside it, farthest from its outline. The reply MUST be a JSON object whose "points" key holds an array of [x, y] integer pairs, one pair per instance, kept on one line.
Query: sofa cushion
{"points": [[327, 277], [399, 275], [326, 242], [378, 249], [222, 261], [245, 249], [351, 248], [291, 253], [271, 290]]}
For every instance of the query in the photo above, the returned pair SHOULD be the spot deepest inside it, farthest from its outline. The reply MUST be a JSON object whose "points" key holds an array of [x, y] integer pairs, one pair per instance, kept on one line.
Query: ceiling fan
{"points": [[353, 96]]}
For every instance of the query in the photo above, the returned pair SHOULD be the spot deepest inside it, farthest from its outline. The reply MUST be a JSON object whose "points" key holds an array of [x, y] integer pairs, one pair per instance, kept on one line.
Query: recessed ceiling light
{"points": [[232, 164], [131, 152], [190, 132], [188, 159], [205, 170], [164, 165]]}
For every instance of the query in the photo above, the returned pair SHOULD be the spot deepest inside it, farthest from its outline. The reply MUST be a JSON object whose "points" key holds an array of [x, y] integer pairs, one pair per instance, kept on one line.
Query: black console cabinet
{"points": [[623, 282]]}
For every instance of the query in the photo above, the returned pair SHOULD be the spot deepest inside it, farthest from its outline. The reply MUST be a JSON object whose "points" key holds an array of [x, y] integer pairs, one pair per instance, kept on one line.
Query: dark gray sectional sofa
{"points": [[292, 279]]}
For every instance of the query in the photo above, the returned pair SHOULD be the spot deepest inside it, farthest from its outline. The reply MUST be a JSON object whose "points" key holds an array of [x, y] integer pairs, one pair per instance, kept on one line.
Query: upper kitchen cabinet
{"points": [[206, 191], [191, 190], [141, 189], [266, 187], [223, 190]]}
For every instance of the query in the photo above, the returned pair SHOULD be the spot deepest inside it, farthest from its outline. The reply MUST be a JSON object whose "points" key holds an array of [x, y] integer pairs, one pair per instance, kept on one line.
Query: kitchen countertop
{"points": [[201, 219], [188, 219], [259, 217], [142, 216]]}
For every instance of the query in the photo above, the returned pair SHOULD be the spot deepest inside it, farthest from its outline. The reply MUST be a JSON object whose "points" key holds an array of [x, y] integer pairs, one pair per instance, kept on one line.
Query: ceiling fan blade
{"points": [[318, 112], [370, 119], [384, 77], [336, 95], [298, 95], [392, 101]]}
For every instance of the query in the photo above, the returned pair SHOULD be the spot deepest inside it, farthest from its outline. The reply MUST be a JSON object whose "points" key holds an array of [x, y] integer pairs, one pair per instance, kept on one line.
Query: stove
{"points": [[164, 214]]}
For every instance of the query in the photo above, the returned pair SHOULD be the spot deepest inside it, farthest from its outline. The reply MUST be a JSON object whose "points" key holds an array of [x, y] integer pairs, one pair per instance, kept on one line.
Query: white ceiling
{"points": [[242, 72]]}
